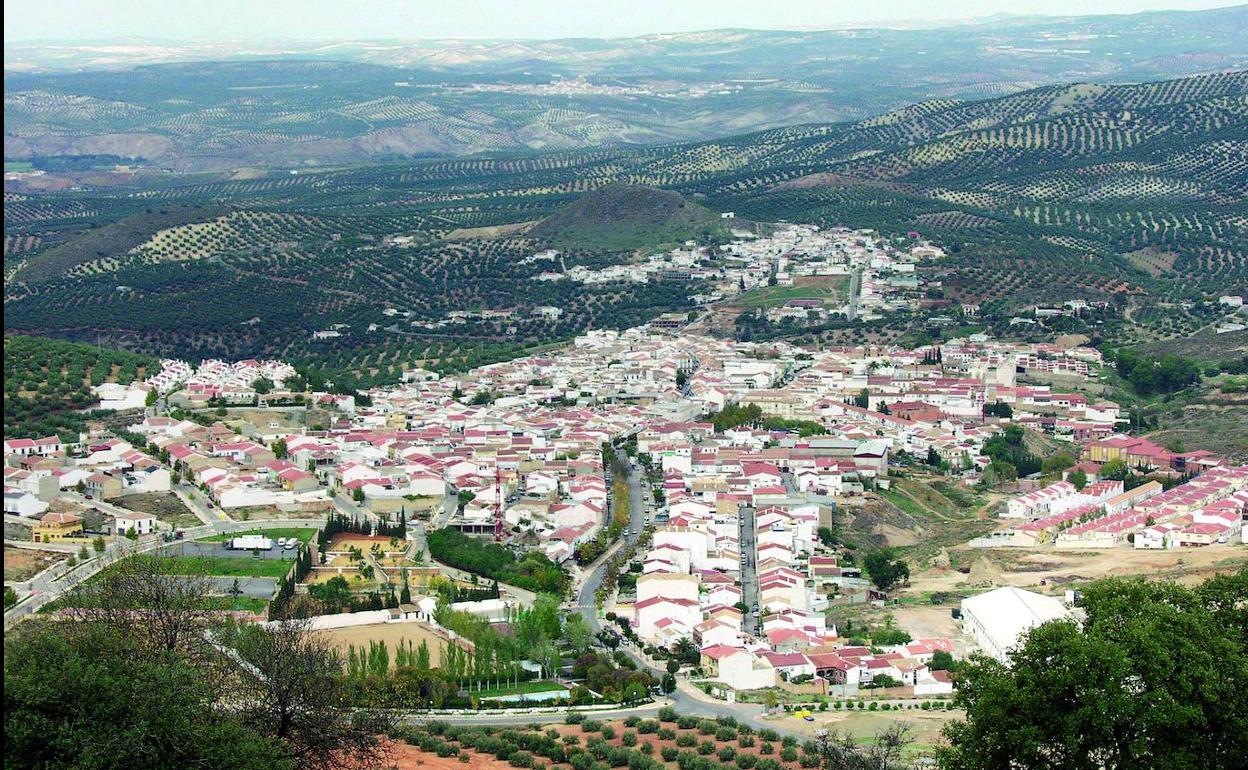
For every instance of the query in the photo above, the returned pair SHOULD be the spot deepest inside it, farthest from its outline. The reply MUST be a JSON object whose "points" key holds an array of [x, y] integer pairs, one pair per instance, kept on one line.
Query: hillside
{"points": [[1130, 194], [289, 104], [47, 383], [625, 217]]}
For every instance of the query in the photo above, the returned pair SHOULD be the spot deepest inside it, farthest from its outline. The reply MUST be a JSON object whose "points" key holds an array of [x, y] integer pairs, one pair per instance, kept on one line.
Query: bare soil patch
{"points": [[23, 563]]}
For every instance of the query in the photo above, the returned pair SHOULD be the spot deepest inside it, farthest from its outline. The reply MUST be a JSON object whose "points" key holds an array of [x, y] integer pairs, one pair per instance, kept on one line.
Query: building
{"points": [[998, 619], [57, 526]]}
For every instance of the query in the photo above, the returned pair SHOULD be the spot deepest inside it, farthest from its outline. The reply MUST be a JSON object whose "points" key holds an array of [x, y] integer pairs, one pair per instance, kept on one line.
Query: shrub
{"points": [[668, 753], [746, 761], [629, 739], [873, 707], [590, 726], [809, 760], [646, 748], [745, 741], [788, 754], [573, 718], [607, 731], [668, 714], [707, 727], [766, 748], [666, 733], [706, 747], [726, 753], [520, 759], [687, 722], [769, 734], [788, 740], [632, 721], [647, 727], [725, 734], [686, 740], [571, 740]]}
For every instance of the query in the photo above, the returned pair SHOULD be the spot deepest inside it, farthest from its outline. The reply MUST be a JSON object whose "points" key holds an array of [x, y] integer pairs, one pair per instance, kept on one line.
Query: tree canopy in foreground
{"points": [[1156, 676]]}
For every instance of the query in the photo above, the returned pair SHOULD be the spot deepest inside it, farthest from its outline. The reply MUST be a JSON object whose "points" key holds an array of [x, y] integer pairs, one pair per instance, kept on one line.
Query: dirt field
{"points": [[344, 540], [23, 564], [407, 757], [1028, 568], [391, 633], [164, 506]]}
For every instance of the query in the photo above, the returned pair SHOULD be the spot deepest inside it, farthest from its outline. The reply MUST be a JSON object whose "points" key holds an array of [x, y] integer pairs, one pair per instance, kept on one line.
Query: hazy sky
{"points": [[209, 20]]}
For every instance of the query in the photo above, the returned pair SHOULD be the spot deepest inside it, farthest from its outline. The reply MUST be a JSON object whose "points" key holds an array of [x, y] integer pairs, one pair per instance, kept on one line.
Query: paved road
{"points": [[855, 293], [349, 507], [749, 562]]}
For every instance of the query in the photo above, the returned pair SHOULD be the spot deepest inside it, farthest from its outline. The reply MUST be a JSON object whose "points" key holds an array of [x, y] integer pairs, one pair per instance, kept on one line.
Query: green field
{"points": [[228, 566], [302, 534], [17, 165], [522, 688], [831, 291]]}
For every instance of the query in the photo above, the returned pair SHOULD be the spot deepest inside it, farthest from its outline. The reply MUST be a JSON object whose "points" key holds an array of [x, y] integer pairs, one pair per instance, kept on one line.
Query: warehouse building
{"points": [[999, 618]]}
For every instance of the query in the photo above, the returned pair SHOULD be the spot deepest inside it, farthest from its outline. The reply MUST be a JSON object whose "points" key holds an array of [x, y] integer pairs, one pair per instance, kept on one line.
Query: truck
{"points": [[250, 543]]}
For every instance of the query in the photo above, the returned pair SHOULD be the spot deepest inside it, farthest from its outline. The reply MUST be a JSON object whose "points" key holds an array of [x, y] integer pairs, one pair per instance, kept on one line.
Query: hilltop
{"points": [[626, 217]]}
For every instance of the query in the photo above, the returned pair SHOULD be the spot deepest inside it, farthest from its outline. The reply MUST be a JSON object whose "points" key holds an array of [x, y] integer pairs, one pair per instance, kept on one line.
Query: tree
{"points": [[933, 457], [1115, 470], [885, 569], [1107, 693], [826, 536], [295, 693], [577, 634], [63, 681], [843, 752], [262, 385], [98, 544], [279, 449], [1057, 463], [335, 593], [155, 611], [668, 684], [673, 666], [941, 661], [863, 399], [1078, 478]]}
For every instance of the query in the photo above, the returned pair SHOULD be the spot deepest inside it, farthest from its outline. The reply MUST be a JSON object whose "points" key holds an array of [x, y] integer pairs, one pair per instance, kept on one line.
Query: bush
{"points": [[607, 731], [573, 718], [632, 721], [590, 726], [746, 761], [788, 754], [686, 722], [629, 739], [668, 753], [788, 740], [706, 747], [686, 740], [725, 734], [668, 714], [745, 741], [809, 760], [520, 759], [647, 727], [726, 753], [766, 748], [707, 727], [767, 764], [666, 733]]}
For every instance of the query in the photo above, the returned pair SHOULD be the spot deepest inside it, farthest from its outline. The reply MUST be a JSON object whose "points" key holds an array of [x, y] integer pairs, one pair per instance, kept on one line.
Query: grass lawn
{"points": [[523, 688], [830, 290], [228, 566], [17, 165], [302, 534]]}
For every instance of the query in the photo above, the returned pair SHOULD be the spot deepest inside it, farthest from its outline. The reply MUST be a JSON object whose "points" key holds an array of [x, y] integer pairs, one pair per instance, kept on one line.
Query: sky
{"points": [[218, 20]]}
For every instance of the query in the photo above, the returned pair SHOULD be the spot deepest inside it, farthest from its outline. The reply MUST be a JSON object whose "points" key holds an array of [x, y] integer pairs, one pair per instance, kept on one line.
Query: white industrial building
{"points": [[999, 618]]}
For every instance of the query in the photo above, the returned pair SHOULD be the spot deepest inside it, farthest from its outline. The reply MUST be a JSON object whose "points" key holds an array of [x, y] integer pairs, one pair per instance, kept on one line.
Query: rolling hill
{"points": [[1136, 195], [626, 217], [297, 105]]}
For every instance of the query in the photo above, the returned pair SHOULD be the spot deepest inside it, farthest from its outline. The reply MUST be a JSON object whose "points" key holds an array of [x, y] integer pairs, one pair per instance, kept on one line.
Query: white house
{"points": [[999, 618]]}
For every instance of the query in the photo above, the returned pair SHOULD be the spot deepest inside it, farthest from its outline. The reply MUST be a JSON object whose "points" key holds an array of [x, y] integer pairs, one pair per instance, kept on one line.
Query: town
{"points": [[689, 492]]}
